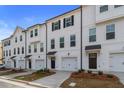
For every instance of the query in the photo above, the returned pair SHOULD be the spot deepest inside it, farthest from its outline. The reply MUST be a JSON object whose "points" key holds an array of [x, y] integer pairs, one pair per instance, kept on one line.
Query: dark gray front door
{"points": [[30, 64], [93, 61], [53, 62]]}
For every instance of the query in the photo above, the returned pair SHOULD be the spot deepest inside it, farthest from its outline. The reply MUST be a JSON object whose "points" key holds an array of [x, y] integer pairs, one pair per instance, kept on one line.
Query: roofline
{"points": [[64, 13], [34, 25]]}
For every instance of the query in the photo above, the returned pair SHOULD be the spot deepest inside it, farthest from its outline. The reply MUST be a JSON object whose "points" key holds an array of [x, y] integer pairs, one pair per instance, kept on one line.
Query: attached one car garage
{"points": [[69, 63], [39, 64], [117, 62]]}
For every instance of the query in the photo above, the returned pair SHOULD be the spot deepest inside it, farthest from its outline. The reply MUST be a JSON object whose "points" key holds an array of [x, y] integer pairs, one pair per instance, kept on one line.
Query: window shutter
{"points": [[64, 23], [52, 26], [72, 18], [59, 24]]}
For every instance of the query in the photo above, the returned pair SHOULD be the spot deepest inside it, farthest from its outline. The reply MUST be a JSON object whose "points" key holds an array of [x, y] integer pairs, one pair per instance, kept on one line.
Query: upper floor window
{"points": [[18, 50], [31, 33], [9, 52], [110, 31], [6, 52], [92, 35], [29, 49], [115, 6], [62, 42], [9, 42], [68, 21], [103, 8], [36, 32], [41, 47], [14, 51], [56, 25], [35, 48], [72, 41], [21, 38], [52, 44], [22, 50], [16, 40]]}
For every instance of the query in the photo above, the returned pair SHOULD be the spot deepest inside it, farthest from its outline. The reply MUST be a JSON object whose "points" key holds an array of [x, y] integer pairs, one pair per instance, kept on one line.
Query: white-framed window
{"points": [[110, 31], [29, 49], [103, 8], [72, 41], [56, 25], [52, 43], [61, 42], [35, 48], [36, 32], [41, 47], [92, 35], [31, 33], [68, 21]]}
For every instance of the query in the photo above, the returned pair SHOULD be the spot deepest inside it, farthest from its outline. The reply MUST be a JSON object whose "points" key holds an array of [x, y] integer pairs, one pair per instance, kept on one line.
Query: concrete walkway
{"points": [[120, 75], [55, 80]]}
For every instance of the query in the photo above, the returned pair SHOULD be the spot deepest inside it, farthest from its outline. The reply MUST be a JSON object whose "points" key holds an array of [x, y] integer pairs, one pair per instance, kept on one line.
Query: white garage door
{"points": [[69, 64], [39, 64], [117, 62], [21, 64]]}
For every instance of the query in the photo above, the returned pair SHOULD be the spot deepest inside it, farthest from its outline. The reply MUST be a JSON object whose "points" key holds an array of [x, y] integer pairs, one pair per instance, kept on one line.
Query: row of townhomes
{"points": [[0, 53], [89, 37]]}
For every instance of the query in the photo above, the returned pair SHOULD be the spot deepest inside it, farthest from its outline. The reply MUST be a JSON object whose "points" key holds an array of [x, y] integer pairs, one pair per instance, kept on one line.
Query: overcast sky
{"points": [[25, 16]]}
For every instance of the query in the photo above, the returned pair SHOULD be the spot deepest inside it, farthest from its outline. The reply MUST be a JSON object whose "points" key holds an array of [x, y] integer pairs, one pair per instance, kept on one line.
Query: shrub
{"points": [[46, 70], [81, 70], [110, 76], [100, 72], [89, 71]]}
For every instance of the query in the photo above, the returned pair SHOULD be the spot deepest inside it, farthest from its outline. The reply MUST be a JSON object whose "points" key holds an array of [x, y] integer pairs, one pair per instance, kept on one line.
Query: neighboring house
{"points": [[14, 49], [1, 54], [36, 46], [103, 37], [63, 41], [89, 37]]}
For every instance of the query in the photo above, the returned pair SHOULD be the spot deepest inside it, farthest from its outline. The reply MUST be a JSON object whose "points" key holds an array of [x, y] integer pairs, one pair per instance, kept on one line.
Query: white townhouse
{"points": [[103, 37], [36, 47], [14, 49], [63, 41], [89, 37]]}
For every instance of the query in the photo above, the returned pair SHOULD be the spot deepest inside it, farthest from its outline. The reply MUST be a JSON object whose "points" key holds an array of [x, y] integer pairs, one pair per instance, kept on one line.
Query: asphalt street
{"points": [[8, 85]]}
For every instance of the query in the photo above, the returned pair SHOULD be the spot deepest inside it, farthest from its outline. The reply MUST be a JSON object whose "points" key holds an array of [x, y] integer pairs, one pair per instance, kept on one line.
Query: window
{"points": [[29, 49], [62, 42], [36, 32], [9, 52], [110, 31], [35, 48], [103, 8], [56, 25], [72, 41], [116, 6], [21, 38], [6, 53], [22, 50], [68, 21], [18, 50], [31, 33], [16, 40], [41, 47], [52, 44], [14, 51], [9, 42], [92, 35]]}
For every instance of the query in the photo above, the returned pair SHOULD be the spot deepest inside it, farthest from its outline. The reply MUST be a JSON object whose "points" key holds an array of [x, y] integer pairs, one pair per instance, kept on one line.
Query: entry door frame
{"points": [[53, 62], [92, 60], [29, 64]]}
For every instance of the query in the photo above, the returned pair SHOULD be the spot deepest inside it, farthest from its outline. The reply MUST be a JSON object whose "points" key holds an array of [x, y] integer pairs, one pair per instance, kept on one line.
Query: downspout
{"points": [[81, 38], [25, 49], [46, 43]]}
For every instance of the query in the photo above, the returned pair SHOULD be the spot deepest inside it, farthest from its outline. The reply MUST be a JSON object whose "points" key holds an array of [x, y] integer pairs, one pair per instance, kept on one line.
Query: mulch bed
{"points": [[13, 71], [4, 69], [93, 76], [34, 76]]}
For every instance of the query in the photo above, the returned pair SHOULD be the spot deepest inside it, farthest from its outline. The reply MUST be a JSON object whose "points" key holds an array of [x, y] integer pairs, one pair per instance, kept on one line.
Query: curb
{"points": [[26, 82]]}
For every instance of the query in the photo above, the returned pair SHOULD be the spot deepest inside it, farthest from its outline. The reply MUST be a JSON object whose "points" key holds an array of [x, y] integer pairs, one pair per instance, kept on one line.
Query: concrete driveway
{"points": [[54, 81], [120, 75]]}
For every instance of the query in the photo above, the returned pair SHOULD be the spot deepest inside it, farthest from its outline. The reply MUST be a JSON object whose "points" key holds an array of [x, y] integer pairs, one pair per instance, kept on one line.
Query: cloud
{"points": [[29, 19], [3, 24]]}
